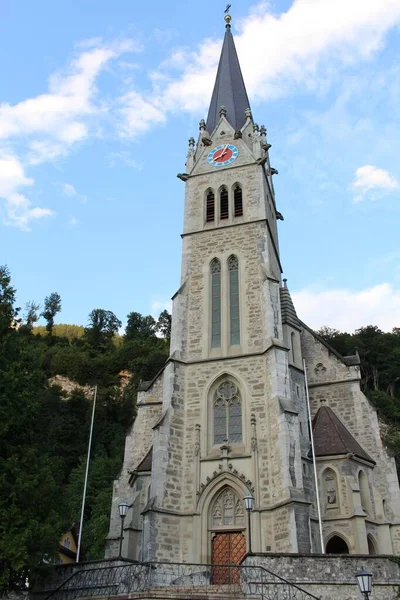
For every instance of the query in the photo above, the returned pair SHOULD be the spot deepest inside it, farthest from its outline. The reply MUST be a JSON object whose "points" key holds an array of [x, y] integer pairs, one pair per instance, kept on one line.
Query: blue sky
{"points": [[98, 100]]}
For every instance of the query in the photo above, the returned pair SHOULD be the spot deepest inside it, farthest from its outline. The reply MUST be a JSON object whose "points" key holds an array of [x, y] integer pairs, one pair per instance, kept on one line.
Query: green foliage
{"points": [[164, 324], [139, 327], [71, 332], [52, 306], [8, 314], [103, 326], [44, 430]]}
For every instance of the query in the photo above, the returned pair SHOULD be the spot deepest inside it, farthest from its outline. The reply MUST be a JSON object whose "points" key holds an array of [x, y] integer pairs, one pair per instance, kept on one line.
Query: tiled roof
{"points": [[332, 438], [229, 88], [288, 311], [146, 463]]}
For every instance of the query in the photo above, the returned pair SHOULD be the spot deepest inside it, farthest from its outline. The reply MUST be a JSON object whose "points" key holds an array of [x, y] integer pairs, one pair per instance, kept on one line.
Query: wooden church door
{"points": [[228, 546], [227, 549]]}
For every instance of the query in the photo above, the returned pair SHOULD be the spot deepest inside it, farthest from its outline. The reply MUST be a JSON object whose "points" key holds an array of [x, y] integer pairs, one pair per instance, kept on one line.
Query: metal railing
{"points": [[187, 579]]}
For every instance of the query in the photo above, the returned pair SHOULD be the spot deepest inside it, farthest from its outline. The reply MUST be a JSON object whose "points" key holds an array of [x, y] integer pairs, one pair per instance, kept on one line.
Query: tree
{"points": [[103, 326], [8, 314], [164, 324], [140, 327], [31, 315], [52, 306], [29, 479]]}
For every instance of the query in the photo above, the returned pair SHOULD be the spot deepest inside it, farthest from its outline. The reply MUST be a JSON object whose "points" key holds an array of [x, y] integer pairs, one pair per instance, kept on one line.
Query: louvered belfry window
{"points": [[224, 204], [238, 201], [215, 303], [210, 206], [234, 318], [227, 414]]}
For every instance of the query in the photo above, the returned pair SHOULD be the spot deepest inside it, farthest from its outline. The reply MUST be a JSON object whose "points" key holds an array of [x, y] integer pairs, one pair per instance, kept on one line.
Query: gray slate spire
{"points": [[229, 88]]}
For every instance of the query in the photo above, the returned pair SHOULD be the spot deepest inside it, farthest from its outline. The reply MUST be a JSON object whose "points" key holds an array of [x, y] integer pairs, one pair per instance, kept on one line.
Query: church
{"points": [[230, 415]]}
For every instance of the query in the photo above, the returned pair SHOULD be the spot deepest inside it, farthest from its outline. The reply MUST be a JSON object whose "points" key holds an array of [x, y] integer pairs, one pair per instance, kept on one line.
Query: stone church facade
{"points": [[227, 415]]}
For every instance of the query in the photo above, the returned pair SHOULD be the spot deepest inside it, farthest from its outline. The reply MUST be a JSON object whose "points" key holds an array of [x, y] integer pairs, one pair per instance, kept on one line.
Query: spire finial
{"points": [[227, 17]]}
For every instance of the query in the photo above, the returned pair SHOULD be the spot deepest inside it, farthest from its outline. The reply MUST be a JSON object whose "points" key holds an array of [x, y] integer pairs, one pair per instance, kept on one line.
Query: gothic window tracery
{"points": [[227, 510], [215, 303], [234, 320], [210, 206], [227, 414]]}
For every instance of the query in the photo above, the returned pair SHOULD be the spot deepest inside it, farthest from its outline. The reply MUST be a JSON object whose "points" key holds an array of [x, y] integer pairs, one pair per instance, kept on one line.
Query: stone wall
{"points": [[332, 577]]}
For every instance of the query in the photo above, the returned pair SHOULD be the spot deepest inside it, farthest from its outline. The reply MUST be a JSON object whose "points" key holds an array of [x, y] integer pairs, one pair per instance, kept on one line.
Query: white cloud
{"points": [[46, 126], [369, 178], [69, 190], [18, 211], [348, 310], [124, 157], [12, 175], [137, 115], [302, 46]]}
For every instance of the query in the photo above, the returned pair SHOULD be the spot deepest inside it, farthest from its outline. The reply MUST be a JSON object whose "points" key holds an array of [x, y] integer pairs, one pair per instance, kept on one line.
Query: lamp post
{"points": [[123, 509], [249, 504], [364, 580]]}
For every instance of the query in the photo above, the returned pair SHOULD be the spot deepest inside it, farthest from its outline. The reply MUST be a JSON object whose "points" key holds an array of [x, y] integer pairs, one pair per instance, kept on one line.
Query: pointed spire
{"points": [[229, 89]]}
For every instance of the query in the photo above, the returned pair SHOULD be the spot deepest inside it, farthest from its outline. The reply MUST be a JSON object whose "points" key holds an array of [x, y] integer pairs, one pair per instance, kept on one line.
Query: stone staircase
{"points": [[211, 592]]}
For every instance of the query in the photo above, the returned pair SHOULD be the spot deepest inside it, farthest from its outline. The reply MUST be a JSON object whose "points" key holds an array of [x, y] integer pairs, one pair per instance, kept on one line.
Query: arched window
{"points": [[337, 545], [67, 542], [234, 320], [215, 303], [210, 206], [227, 510], [331, 491], [364, 492], [238, 201], [371, 545], [224, 203], [227, 414], [293, 341]]}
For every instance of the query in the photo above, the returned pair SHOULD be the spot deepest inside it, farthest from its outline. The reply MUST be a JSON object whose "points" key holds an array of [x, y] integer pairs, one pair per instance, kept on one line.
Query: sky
{"points": [[98, 100]]}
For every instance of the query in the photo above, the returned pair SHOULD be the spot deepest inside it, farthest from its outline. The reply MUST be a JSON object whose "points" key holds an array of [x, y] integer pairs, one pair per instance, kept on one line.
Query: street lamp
{"points": [[123, 509], [249, 504], [364, 580]]}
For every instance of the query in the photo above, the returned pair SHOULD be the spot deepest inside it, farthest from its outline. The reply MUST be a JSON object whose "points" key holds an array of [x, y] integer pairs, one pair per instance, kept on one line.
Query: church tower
{"points": [[227, 416]]}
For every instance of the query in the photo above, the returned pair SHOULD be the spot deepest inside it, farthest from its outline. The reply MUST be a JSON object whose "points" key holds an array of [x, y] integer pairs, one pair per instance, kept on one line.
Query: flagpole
{"points": [[314, 461], [86, 476]]}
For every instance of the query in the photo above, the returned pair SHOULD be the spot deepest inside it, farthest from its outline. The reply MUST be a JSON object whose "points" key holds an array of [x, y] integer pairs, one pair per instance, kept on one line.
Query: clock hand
{"points": [[222, 153]]}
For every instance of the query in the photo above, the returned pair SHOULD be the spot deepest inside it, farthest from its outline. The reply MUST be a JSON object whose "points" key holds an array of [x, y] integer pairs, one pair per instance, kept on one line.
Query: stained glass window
{"points": [[227, 414], [234, 320], [215, 303]]}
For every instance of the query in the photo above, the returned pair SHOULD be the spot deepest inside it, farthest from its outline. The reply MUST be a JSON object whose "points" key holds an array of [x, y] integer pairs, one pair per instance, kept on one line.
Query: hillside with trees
{"points": [[44, 428]]}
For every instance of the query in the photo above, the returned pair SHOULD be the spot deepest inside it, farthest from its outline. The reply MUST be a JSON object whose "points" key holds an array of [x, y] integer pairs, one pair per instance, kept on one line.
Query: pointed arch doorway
{"points": [[228, 539]]}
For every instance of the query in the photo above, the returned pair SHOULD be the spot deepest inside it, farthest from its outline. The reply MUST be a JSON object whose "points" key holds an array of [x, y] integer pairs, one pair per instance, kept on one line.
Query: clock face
{"points": [[223, 155]]}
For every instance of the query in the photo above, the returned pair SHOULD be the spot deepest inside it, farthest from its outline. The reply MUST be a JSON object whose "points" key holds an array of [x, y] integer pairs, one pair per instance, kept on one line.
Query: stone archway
{"points": [[337, 545]]}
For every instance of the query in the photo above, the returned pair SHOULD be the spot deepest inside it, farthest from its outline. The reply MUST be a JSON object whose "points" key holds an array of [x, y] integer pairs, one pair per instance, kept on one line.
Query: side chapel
{"points": [[227, 415]]}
